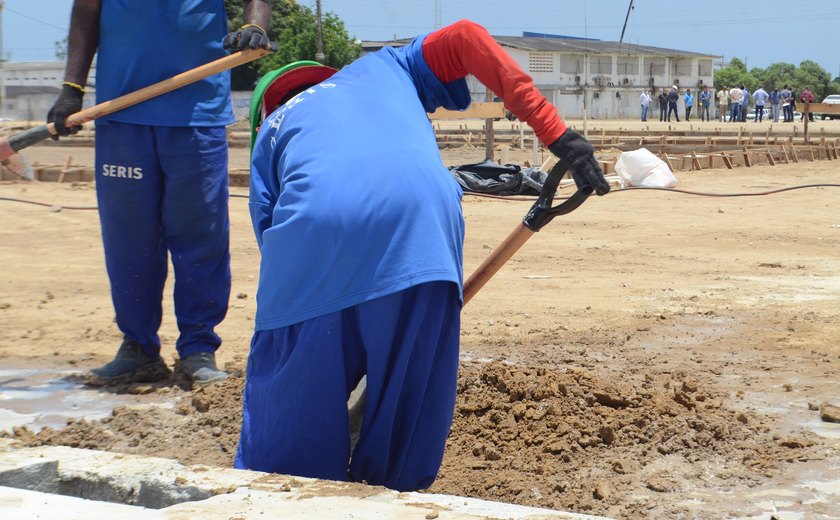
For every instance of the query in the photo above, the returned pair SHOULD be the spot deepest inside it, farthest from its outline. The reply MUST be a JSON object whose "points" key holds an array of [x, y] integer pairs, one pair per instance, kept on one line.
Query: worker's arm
{"points": [[82, 42], [254, 31], [467, 48]]}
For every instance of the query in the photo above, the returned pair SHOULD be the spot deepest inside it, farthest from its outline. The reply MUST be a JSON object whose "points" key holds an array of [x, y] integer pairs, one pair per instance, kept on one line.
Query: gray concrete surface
{"points": [[57, 482]]}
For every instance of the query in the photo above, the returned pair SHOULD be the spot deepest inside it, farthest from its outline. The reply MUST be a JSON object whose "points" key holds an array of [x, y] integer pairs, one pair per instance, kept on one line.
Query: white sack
{"points": [[642, 168]]}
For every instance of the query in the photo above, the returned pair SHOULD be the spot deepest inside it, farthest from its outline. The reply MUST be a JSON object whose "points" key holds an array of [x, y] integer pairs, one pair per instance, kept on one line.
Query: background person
{"points": [[644, 99], [745, 103], [760, 96], [662, 100], [807, 97], [705, 104], [787, 104], [735, 98], [161, 170], [723, 102], [673, 97], [688, 101], [775, 104]]}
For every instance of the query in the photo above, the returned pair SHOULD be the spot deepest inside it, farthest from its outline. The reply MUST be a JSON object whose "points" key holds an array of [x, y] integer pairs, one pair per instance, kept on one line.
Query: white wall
{"points": [[606, 76]]}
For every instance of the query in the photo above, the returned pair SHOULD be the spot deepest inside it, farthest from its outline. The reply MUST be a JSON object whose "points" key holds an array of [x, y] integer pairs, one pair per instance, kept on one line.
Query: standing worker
{"points": [[807, 97], [662, 100], [688, 100], [673, 97], [361, 233], [760, 96], [787, 104], [745, 103], [705, 104], [723, 102], [775, 103], [161, 170], [644, 99], [735, 97]]}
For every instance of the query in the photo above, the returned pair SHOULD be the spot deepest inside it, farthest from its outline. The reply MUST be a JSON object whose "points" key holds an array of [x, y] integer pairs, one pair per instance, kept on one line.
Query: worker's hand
{"points": [[249, 36], [579, 155], [68, 103]]}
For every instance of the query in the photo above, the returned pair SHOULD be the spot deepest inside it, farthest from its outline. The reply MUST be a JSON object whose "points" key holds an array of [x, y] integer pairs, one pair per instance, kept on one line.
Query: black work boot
{"points": [[131, 364], [201, 368]]}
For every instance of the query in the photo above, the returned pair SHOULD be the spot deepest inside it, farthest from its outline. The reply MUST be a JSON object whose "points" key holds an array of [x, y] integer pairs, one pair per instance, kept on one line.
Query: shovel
{"points": [[9, 146], [540, 214]]}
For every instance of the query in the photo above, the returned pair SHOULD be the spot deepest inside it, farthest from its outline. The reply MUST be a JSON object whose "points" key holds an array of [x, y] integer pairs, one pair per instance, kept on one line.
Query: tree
{"points": [[778, 75], [733, 74], [293, 29], [810, 74]]}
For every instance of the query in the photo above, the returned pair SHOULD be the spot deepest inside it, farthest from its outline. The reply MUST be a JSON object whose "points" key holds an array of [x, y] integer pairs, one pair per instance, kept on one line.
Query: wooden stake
{"points": [[785, 154], [695, 161], [64, 170]]}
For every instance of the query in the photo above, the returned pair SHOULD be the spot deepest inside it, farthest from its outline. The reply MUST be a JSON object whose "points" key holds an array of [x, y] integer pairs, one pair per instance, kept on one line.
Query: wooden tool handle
{"points": [[162, 87], [496, 260]]}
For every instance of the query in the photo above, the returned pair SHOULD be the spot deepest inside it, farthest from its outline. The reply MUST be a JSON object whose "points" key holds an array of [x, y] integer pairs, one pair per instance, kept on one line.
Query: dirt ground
{"points": [[651, 355]]}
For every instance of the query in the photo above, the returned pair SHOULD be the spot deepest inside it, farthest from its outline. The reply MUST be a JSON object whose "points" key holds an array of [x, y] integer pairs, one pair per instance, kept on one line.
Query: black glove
{"points": [[579, 156], [249, 36], [68, 103]]}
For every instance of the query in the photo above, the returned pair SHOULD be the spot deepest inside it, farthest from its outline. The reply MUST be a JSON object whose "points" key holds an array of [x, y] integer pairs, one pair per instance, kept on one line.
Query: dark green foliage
{"points": [[293, 29], [807, 74]]}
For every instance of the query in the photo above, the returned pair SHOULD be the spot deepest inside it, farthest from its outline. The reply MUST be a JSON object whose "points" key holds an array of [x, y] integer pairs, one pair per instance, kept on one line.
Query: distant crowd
{"points": [[728, 104]]}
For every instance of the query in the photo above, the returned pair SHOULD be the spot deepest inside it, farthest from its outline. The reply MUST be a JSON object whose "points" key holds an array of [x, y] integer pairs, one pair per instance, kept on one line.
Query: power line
{"points": [[35, 19]]}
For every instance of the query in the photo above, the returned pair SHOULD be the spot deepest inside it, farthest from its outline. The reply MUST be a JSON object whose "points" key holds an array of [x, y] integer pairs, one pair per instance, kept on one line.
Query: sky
{"points": [[759, 33]]}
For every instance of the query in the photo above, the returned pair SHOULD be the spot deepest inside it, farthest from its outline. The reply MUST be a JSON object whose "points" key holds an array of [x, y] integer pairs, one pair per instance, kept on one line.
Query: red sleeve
{"points": [[467, 48]]}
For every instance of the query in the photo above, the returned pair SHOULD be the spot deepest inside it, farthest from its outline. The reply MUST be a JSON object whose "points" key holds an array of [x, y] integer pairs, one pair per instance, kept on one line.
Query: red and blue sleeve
{"points": [[467, 48]]}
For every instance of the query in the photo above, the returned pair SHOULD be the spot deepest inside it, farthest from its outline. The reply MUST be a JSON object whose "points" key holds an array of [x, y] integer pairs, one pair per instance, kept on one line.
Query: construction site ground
{"points": [[651, 354]]}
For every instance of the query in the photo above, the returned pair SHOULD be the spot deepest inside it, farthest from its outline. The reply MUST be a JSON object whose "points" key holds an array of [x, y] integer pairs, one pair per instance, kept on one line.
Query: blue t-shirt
{"points": [[350, 199], [141, 43]]}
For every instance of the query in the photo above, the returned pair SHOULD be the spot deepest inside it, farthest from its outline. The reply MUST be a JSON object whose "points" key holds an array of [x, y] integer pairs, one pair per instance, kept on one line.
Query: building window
{"points": [[571, 64], [628, 66], [680, 67], [602, 64], [704, 67], [654, 67], [541, 62]]}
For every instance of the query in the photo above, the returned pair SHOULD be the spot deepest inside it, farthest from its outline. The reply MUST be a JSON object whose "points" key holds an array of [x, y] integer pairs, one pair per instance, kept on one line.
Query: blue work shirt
{"points": [[141, 43], [350, 199]]}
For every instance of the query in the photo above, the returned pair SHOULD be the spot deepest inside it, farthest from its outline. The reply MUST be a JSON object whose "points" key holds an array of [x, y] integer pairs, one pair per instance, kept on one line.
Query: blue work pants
{"points": [[165, 190], [295, 418]]}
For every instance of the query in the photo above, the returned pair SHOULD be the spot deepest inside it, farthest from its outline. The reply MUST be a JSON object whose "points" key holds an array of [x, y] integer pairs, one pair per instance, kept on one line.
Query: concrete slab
{"points": [[52, 480], [20, 503]]}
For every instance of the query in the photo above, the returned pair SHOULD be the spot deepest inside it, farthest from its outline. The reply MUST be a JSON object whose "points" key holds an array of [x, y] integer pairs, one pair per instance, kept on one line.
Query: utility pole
{"points": [[319, 55], [437, 14], [626, 19]]}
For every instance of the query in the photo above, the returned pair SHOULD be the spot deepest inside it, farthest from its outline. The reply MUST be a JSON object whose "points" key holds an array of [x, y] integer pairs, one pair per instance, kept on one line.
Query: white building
{"points": [[609, 76], [31, 88]]}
